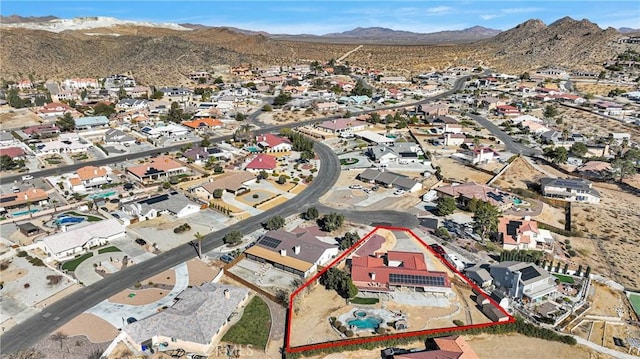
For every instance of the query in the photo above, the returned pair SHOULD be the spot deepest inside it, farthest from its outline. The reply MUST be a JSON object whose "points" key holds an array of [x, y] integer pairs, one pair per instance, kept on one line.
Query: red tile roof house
{"points": [[42, 131], [12, 152], [451, 347], [54, 109], [484, 155], [272, 143], [262, 162], [523, 234], [507, 110], [463, 193], [158, 168], [397, 269]]}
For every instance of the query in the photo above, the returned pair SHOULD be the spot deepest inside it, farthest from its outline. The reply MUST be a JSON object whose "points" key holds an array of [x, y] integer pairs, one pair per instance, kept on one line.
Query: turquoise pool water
{"points": [[253, 149], [22, 213], [365, 323], [69, 220], [391, 136], [517, 201], [102, 195]]}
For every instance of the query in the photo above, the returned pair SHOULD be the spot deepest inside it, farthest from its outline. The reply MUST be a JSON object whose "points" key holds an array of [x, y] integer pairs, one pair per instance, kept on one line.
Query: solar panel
{"points": [[8, 199], [433, 281], [270, 242], [528, 273], [156, 199]]}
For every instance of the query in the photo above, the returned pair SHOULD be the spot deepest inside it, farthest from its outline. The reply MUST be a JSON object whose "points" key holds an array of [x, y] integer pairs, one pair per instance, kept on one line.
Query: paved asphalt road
{"points": [[55, 315], [382, 217], [511, 145], [32, 330]]}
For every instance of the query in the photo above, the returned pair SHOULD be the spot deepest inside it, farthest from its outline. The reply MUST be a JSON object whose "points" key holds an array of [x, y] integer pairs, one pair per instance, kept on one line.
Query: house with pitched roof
{"points": [[32, 196], [342, 125], [299, 252], [262, 162], [195, 322], [89, 122], [386, 272], [571, 190], [389, 180], [81, 237], [463, 193], [234, 183], [523, 280], [88, 177], [13, 152], [115, 136], [273, 143], [523, 234], [451, 347], [203, 123], [173, 203], [158, 168], [54, 110]]}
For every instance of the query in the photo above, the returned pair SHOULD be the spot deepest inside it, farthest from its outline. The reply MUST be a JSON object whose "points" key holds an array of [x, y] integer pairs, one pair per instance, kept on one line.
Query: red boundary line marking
{"points": [[344, 342]]}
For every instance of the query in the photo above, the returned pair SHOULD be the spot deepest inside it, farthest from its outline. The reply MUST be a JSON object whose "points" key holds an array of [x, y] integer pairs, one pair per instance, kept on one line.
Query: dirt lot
{"points": [[96, 329], [591, 124], [10, 118], [523, 347], [453, 169], [598, 88], [613, 226], [606, 301]]}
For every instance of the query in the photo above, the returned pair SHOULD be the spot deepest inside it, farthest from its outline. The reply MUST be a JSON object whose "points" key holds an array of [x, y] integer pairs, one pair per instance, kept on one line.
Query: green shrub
{"points": [[348, 333], [458, 322], [21, 254]]}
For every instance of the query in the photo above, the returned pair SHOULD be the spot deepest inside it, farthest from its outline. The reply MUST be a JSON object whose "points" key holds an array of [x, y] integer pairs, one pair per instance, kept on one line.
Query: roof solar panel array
{"points": [[432, 281], [269, 242]]}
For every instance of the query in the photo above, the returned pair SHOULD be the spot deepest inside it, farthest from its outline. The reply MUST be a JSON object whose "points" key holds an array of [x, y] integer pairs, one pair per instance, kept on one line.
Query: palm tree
{"points": [[199, 237], [29, 208], [59, 336], [54, 202]]}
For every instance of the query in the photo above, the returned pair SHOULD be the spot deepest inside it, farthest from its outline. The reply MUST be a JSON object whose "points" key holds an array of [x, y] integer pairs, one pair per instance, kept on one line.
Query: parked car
{"points": [[131, 320], [375, 188], [438, 249], [398, 192], [141, 241], [226, 258], [355, 186], [27, 177], [366, 190]]}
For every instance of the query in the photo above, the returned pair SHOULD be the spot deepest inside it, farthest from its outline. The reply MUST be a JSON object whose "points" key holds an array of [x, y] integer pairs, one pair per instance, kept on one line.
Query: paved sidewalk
{"points": [[116, 313]]}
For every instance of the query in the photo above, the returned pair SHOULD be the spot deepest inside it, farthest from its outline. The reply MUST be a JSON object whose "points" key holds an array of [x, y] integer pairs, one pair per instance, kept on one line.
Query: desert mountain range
{"points": [[160, 55]]}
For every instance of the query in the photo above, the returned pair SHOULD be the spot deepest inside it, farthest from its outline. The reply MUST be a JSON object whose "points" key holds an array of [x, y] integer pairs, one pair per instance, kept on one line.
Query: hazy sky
{"points": [[320, 17]]}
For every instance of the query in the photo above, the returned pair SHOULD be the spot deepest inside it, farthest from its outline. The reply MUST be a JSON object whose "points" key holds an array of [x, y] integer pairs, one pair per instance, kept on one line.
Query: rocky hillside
{"points": [[566, 42], [161, 56]]}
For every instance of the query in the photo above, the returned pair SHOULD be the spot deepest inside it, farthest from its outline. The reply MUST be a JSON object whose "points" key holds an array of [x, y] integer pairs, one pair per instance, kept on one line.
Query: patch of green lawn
{"points": [[635, 302], [109, 249], [254, 326], [73, 264], [564, 278], [360, 300]]}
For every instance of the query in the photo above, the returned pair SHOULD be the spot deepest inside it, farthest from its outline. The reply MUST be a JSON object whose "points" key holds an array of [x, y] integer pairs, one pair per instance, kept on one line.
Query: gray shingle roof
{"points": [[196, 317]]}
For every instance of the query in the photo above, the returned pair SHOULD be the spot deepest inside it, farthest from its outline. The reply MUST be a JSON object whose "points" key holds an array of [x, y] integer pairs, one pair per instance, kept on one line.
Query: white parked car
{"points": [[27, 177], [398, 192], [355, 186]]}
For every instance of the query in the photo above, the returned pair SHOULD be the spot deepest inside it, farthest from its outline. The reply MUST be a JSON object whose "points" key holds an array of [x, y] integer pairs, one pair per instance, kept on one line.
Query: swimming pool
{"points": [[102, 195], [63, 220], [22, 213], [517, 201], [365, 323], [253, 149]]}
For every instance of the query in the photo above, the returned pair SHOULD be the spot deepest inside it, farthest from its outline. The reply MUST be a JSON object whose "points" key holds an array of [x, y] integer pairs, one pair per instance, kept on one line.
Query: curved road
{"points": [[511, 145], [32, 330], [55, 315]]}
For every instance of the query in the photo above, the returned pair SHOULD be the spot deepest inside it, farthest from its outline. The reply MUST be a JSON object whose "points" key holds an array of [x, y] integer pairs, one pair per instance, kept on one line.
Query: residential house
{"points": [[66, 95], [138, 92], [479, 274], [327, 106], [454, 139], [535, 127], [15, 153], [572, 190], [389, 180], [262, 162], [195, 322], [175, 91], [167, 130], [203, 123], [23, 85], [448, 124], [374, 138], [463, 193], [127, 104], [88, 177], [525, 118], [201, 154], [115, 136], [299, 252], [595, 169], [66, 142], [609, 108], [174, 203], [158, 168], [389, 271], [490, 102], [483, 155], [507, 110], [523, 235], [54, 110], [523, 280], [80, 83], [342, 125], [620, 137], [451, 347], [80, 238], [401, 152], [394, 80], [234, 183], [273, 143], [26, 198], [86, 123], [197, 75], [7, 139]]}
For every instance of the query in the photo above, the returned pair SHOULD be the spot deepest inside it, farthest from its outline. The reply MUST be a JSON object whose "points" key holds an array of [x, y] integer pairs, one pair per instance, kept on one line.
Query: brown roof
{"points": [[231, 182], [287, 261], [162, 164], [32, 195]]}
